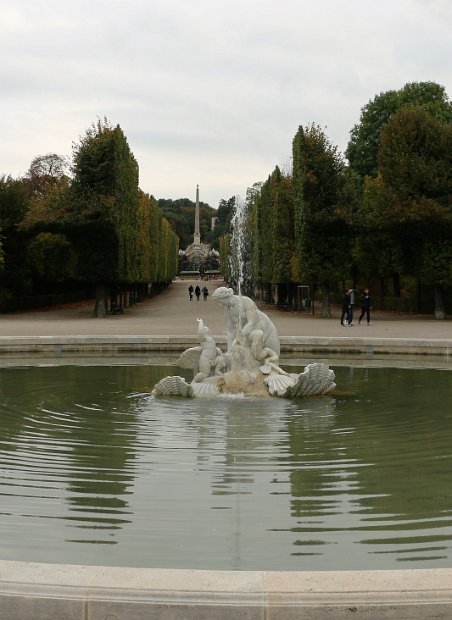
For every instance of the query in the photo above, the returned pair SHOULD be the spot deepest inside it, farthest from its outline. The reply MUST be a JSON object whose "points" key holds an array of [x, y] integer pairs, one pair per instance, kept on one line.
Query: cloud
{"points": [[206, 92]]}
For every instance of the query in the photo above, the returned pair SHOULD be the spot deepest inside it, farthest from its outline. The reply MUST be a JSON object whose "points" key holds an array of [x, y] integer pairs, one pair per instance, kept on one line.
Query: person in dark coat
{"points": [[345, 308], [365, 306], [205, 292], [351, 311], [197, 292], [190, 291]]}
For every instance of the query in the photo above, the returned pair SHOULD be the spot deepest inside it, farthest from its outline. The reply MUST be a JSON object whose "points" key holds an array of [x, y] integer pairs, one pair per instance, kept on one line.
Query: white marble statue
{"points": [[241, 313], [250, 365], [205, 360]]}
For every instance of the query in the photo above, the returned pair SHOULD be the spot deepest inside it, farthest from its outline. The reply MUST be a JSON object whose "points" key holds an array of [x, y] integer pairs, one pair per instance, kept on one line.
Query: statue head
{"points": [[223, 294]]}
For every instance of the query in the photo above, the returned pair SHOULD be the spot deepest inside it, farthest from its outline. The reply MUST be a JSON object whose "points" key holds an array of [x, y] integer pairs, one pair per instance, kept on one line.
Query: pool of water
{"points": [[95, 470]]}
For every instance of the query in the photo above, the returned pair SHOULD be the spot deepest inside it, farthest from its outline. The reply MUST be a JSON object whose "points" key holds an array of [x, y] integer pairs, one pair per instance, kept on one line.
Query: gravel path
{"points": [[171, 313]]}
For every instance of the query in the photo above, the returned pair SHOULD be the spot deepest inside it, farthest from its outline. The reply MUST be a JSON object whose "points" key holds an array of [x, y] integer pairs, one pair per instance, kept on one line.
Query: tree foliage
{"points": [[46, 171], [180, 214], [97, 228], [322, 233], [365, 137], [273, 227], [105, 194], [51, 258], [13, 206], [415, 161], [225, 213]]}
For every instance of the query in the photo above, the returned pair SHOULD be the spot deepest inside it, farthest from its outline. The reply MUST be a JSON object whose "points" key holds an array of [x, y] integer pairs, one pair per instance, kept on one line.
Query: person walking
{"points": [[197, 292], [351, 293], [190, 292], [365, 306], [205, 293], [345, 308]]}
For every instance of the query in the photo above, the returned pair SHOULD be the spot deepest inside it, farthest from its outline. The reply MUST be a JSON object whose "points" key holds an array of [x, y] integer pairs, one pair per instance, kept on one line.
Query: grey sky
{"points": [[206, 91]]}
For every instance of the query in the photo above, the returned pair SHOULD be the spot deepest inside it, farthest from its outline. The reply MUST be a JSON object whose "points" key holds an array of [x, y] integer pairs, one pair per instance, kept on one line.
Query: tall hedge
{"points": [[322, 232], [105, 199]]}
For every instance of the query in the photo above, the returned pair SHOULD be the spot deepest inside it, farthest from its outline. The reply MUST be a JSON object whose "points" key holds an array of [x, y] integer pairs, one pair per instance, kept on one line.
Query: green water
{"points": [[94, 470]]}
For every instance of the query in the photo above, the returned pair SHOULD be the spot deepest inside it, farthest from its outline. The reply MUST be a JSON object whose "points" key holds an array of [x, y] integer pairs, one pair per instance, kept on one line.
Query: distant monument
{"points": [[197, 234], [197, 252]]}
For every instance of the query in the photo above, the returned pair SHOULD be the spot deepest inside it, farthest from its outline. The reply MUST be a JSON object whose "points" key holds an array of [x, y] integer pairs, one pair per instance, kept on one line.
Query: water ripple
{"points": [[90, 461]]}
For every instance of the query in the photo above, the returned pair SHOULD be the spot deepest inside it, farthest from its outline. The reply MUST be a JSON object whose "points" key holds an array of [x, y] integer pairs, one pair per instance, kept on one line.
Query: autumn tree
{"points": [[46, 171]]}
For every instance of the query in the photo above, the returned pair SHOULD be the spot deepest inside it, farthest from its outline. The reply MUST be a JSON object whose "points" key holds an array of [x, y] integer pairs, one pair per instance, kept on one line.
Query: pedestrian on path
{"points": [[205, 292], [365, 306], [345, 308], [351, 293], [190, 292], [197, 292]]}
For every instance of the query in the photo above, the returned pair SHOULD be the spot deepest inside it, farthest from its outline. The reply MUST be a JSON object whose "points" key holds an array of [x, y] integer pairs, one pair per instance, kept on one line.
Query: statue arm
{"points": [[252, 317]]}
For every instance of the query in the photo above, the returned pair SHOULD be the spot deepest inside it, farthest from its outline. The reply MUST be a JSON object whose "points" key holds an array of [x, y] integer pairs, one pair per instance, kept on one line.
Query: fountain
{"points": [[250, 365]]}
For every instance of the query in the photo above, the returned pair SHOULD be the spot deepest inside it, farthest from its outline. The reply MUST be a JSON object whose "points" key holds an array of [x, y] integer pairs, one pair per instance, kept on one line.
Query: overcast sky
{"points": [[207, 92]]}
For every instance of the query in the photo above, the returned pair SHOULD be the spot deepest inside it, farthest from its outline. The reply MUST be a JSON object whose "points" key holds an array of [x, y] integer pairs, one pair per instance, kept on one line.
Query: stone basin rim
{"points": [[28, 589], [367, 346]]}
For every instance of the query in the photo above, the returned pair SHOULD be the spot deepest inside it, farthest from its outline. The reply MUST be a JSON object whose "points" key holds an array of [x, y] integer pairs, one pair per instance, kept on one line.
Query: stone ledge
{"points": [[40, 591], [362, 347]]}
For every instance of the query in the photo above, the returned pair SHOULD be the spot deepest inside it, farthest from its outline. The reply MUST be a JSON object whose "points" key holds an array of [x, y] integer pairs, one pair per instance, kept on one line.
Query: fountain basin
{"points": [[36, 590]]}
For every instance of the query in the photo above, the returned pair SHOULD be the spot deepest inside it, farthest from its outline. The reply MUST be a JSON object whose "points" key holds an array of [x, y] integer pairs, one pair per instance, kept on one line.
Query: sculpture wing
{"points": [[316, 379], [173, 386], [190, 358], [278, 385]]}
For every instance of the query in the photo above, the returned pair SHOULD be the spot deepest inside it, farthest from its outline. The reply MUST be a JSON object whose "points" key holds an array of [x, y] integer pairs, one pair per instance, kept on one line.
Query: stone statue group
{"points": [[250, 364]]}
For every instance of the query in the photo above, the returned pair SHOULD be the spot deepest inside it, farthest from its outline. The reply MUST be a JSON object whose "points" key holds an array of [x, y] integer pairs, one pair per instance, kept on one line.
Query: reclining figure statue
{"points": [[250, 365]]}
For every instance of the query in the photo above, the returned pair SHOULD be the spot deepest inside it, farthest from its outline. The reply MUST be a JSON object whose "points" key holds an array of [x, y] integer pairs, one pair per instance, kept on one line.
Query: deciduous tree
{"points": [[365, 136], [415, 160]]}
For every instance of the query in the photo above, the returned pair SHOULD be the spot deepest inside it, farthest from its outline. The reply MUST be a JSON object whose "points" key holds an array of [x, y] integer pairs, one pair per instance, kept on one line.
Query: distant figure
{"points": [[365, 306], [190, 292], [205, 292], [351, 293], [345, 308], [197, 292]]}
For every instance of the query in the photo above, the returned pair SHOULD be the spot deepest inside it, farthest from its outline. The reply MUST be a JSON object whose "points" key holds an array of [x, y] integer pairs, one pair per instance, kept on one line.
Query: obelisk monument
{"points": [[197, 234], [197, 251]]}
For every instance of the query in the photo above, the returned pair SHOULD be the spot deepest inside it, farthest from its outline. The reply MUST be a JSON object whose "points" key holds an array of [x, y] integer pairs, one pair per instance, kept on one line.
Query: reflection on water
{"points": [[94, 470]]}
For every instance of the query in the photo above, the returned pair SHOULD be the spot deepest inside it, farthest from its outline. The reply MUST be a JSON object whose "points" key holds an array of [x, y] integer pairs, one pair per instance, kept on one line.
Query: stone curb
{"points": [[31, 591], [41, 591], [366, 347]]}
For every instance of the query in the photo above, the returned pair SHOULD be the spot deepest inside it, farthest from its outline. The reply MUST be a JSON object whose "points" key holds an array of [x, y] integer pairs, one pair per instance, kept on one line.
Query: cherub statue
{"points": [[206, 359]]}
